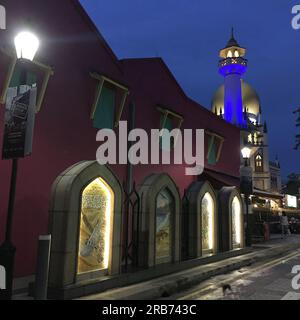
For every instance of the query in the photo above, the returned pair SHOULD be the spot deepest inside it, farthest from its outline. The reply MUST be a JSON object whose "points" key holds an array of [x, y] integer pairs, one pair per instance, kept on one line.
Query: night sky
{"points": [[188, 36]]}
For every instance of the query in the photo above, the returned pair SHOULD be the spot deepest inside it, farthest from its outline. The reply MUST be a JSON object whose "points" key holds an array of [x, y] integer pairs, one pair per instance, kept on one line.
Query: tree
{"points": [[297, 146]]}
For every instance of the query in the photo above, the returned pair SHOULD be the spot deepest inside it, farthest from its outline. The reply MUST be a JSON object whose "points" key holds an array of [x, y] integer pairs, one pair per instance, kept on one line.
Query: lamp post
{"points": [[26, 46], [247, 189]]}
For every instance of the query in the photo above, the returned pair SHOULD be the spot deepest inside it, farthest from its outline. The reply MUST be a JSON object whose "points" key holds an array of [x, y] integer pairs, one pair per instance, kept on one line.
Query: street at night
{"points": [[270, 280], [150, 154]]}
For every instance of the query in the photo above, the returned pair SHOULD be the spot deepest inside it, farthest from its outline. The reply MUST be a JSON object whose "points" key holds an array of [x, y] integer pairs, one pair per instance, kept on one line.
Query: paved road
{"points": [[268, 281]]}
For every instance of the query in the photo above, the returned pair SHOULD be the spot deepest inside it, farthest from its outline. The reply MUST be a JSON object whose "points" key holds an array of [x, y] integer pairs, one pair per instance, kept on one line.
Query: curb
{"points": [[184, 282], [168, 285], [179, 281]]}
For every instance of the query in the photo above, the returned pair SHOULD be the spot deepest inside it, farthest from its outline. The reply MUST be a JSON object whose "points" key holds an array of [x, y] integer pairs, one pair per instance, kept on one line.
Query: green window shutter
{"points": [[212, 147], [168, 124], [104, 116], [164, 145]]}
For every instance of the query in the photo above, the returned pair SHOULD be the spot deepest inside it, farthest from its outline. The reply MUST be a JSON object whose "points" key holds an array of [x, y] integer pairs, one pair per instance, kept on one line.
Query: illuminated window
{"points": [[95, 227], [164, 216], [236, 222], [258, 163], [229, 54], [253, 138], [236, 54], [208, 209], [252, 120]]}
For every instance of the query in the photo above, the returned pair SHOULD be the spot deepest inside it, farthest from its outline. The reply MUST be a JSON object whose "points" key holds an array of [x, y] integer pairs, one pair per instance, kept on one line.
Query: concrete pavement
{"points": [[168, 285], [269, 281]]}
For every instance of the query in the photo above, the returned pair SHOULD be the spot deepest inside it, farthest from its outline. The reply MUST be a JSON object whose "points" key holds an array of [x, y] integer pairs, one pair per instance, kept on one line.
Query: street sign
{"points": [[19, 122]]}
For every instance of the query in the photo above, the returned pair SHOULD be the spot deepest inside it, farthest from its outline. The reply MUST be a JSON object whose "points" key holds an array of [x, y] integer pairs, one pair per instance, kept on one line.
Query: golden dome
{"points": [[250, 99]]}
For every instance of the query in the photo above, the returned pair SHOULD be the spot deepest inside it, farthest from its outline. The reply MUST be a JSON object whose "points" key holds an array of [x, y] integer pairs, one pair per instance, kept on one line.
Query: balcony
{"points": [[234, 60]]}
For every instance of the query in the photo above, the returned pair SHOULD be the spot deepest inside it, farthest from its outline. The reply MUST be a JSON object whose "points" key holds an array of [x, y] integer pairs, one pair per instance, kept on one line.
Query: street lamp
{"points": [[26, 45], [246, 152], [247, 189]]}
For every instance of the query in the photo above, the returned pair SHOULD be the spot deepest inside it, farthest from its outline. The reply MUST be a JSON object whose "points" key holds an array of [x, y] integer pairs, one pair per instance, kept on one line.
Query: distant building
{"points": [[276, 183]]}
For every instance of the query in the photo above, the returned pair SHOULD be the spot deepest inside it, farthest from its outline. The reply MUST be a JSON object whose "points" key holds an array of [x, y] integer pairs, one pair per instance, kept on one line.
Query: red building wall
{"points": [[64, 134]]}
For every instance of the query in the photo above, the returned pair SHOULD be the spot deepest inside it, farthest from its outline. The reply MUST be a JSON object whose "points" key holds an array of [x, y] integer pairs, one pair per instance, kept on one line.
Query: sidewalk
{"points": [[167, 285]]}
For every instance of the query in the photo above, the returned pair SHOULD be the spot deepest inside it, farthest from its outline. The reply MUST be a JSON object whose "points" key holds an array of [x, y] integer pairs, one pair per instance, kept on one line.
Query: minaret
{"points": [[232, 67]]}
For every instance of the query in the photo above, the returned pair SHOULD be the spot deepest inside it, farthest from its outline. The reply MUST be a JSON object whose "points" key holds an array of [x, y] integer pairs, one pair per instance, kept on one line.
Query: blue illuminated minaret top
{"points": [[232, 66]]}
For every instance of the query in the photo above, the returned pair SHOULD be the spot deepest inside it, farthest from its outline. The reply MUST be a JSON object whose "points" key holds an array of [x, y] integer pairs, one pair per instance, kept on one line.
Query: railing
{"points": [[254, 144], [229, 61]]}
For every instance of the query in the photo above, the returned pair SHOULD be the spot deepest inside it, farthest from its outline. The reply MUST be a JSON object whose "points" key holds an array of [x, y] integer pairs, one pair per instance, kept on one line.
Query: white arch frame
{"points": [[226, 196], [195, 195], [148, 191], [65, 215]]}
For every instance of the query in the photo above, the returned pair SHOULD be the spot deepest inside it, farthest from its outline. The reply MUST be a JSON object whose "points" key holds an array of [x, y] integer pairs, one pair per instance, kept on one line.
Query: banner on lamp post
{"points": [[19, 122]]}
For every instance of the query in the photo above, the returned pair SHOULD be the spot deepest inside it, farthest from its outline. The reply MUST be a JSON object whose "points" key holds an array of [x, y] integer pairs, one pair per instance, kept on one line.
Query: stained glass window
{"points": [[236, 222], [95, 227], [164, 215], [207, 217]]}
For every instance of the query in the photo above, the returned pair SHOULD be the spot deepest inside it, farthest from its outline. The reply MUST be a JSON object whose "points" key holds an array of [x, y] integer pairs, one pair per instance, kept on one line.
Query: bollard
{"points": [[42, 270]]}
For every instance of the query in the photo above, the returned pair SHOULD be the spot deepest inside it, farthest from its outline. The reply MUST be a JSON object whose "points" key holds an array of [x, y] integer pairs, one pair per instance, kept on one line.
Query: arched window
{"points": [[164, 218], [236, 212], [159, 222], [85, 224], [95, 227], [207, 223], [229, 54], [231, 219], [259, 163], [201, 221]]}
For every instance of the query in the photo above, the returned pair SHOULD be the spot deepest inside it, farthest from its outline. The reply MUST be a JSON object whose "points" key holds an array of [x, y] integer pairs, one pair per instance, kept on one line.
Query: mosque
{"points": [[238, 103]]}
